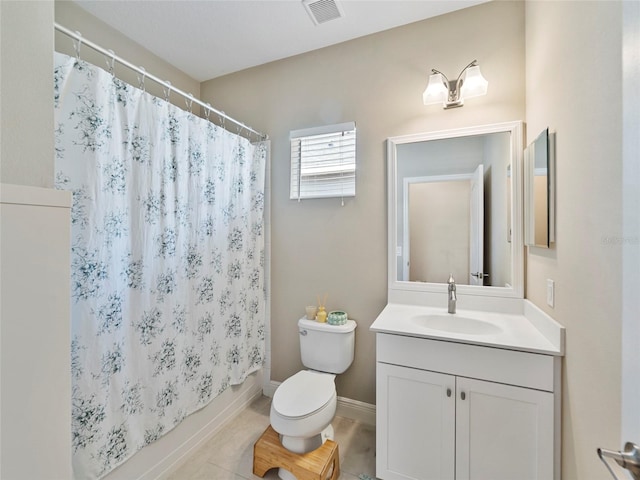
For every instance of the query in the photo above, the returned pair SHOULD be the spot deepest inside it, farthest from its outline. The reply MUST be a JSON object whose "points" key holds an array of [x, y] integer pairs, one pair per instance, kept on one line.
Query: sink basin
{"points": [[454, 323]]}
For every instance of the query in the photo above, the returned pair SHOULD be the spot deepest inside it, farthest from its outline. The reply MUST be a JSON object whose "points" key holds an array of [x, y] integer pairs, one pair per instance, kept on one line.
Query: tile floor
{"points": [[229, 454]]}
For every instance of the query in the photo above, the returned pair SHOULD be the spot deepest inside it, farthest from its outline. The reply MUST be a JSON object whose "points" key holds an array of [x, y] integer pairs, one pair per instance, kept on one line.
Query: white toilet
{"points": [[305, 403]]}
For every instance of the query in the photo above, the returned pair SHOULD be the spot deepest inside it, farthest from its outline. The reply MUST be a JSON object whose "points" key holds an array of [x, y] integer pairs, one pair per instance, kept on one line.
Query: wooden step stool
{"points": [[269, 453]]}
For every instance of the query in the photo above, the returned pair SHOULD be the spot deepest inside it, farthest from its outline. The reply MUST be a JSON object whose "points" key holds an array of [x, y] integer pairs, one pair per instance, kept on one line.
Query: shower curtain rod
{"points": [[79, 38]]}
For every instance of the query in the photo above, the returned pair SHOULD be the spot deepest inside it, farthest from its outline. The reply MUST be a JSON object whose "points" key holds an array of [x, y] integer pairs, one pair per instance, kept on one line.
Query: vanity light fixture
{"points": [[470, 83]]}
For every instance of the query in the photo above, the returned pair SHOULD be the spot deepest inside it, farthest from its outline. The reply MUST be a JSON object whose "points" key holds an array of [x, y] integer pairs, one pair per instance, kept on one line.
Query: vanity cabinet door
{"points": [[503, 432], [414, 426]]}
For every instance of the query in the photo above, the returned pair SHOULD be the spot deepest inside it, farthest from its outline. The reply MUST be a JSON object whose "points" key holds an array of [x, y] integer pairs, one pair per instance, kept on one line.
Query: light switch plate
{"points": [[550, 292]]}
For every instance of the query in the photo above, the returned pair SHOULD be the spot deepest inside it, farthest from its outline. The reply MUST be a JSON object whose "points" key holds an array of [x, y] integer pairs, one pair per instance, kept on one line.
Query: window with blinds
{"points": [[323, 162]]}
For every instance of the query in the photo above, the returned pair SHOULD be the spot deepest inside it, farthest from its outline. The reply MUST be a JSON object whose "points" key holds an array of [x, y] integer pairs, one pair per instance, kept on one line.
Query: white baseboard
{"points": [[353, 409], [356, 410], [270, 388]]}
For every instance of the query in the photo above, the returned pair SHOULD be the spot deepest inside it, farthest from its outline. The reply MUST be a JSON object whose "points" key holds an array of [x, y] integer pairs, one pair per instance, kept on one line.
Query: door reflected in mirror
{"points": [[451, 209], [443, 218]]}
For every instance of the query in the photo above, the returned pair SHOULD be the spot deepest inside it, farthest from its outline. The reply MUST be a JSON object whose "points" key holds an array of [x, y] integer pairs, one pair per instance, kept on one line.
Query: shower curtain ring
{"points": [[167, 91], [77, 44], [189, 102], [111, 63], [141, 79], [207, 111]]}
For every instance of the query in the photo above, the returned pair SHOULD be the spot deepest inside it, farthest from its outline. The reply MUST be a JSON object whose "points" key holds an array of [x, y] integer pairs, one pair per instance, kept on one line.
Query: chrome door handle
{"points": [[629, 459], [480, 275]]}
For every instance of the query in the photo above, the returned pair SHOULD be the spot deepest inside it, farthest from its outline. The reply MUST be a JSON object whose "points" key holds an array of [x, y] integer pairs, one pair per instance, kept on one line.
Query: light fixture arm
{"points": [[434, 71], [472, 64], [454, 88]]}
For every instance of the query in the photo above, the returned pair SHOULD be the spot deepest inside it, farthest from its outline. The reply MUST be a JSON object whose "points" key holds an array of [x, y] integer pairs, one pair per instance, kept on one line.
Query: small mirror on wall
{"points": [[539, 183]]}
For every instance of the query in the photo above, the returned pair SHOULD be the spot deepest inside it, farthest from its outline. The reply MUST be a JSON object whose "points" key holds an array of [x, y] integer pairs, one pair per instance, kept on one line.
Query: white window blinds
{"points": [[323, 162]]}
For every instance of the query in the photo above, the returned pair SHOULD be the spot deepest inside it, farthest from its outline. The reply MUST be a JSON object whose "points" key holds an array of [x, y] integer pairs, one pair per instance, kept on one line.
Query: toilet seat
{"points": [[304, 394]]}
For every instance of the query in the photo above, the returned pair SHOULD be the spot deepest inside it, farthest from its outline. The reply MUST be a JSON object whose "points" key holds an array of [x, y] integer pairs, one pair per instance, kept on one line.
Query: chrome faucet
{"points": [[452, 294]]}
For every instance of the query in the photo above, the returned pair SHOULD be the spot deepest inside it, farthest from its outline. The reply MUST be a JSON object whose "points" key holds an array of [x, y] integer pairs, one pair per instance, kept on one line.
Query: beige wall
{"points": [[318, 246], [564, 41], [26, 102], [631, 220]]}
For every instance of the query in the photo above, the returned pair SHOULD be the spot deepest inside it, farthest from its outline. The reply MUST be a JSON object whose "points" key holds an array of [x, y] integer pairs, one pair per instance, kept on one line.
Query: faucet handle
{"points": [[451, 280]]}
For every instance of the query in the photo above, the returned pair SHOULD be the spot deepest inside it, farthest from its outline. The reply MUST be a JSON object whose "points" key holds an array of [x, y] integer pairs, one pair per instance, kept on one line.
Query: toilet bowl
{"points": [[302, 409]]}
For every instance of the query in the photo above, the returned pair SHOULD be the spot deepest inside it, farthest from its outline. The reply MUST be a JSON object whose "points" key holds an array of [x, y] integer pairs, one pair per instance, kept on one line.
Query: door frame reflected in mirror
{"points": [[516, 288]]}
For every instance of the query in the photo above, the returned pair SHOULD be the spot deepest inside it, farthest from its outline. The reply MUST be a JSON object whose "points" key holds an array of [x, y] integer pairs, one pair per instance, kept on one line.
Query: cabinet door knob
{"points": [[448, 392], [463, 395]]}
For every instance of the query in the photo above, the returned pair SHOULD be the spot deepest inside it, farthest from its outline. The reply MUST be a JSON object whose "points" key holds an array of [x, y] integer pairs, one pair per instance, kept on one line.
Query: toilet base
{"points": [[304, 445]]}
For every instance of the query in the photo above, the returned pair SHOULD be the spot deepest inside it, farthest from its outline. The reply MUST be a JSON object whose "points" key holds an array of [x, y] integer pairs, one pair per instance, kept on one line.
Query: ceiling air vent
{"points": [[322, 11]]}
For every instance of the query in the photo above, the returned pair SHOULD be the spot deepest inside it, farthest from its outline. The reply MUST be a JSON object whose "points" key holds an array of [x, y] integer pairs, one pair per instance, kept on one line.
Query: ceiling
{"points": [[209, 38]]}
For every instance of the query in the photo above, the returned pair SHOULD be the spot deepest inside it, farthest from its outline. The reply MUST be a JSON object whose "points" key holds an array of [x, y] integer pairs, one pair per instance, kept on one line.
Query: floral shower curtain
{"points": [[168, 292]]}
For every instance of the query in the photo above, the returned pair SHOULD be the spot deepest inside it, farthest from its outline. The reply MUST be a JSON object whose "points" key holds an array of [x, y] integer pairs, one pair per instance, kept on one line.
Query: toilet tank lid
{"points": [[304, 393], [350, 326]]}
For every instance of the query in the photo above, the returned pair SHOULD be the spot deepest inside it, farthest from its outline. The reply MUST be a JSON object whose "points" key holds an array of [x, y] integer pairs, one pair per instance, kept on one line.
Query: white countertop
{"points": [[536, 332]]}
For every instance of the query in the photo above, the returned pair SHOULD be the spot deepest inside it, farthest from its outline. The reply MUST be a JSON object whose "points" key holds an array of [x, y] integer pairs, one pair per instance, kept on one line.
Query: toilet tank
{"points": [[326, 348]]}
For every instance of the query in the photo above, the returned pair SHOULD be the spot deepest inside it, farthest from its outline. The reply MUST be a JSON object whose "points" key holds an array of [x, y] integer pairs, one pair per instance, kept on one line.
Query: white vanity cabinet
{"points": [[415, 424], [449, 410]]}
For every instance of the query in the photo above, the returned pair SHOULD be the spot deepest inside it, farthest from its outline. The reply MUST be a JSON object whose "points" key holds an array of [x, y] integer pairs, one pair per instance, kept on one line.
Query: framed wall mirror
{"points": [[454, 207], [539, 191]]}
